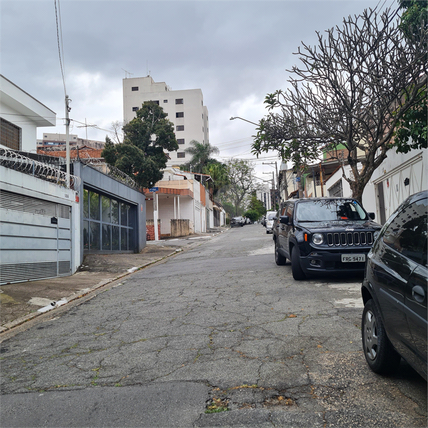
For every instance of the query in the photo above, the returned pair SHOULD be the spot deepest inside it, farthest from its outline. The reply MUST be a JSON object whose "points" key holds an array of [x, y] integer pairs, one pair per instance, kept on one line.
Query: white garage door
{"points": [[35, 238]]}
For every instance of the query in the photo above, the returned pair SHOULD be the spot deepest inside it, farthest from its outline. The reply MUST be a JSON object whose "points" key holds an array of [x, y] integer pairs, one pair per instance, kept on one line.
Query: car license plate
{"points": [[352, 258]]}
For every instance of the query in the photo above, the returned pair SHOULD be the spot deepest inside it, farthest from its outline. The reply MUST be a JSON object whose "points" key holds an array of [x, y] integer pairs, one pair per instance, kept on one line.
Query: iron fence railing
{"points": [[111, 171]]}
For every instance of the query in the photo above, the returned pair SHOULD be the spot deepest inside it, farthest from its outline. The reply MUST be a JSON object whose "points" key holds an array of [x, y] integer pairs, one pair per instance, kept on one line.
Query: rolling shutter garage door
{"points": [[35, 238]]}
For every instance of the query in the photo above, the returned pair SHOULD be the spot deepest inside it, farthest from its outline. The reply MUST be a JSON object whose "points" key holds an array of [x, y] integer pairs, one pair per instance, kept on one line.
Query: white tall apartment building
{"points": [[185, 109]]}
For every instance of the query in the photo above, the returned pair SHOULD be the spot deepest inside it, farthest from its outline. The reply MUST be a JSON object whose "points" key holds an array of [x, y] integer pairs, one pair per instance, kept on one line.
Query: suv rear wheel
{"points": [[296, 268], [280, 260], [380, 354]]}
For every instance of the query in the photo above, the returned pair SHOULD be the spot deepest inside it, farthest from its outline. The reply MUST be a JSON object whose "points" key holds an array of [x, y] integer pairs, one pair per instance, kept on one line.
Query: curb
{"points": [[75, 296]]}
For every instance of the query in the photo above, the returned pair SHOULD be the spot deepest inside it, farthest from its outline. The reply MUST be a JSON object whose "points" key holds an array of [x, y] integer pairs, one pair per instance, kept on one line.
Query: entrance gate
{"points": [[35, 238]]}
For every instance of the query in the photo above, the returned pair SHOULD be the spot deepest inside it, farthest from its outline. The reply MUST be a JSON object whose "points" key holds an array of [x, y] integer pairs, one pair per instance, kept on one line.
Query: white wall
{"points": [[391, 175], [397, 170], [334, 179], [17, 182], [24, 111]]}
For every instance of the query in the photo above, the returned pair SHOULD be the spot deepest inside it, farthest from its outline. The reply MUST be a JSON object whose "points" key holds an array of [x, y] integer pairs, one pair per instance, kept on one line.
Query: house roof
{"points": [[75, 153], [26, 105], [170, 191]]}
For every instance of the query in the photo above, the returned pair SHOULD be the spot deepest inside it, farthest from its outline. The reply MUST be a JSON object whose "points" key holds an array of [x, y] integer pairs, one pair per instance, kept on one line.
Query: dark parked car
{"points": [[323, 235], [237, 221], [394, 291]]}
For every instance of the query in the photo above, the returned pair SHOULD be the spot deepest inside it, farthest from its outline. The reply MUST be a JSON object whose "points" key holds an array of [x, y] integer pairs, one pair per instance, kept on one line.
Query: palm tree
{"points": [[200, 155], [219, 174]]}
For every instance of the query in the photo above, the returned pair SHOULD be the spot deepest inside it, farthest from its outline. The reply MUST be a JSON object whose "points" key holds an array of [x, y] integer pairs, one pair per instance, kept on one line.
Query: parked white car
{"points": [[270, 216]]}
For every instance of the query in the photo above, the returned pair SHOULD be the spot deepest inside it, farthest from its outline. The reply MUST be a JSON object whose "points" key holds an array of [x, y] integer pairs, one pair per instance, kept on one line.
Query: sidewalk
{"points": [[26, 300]]}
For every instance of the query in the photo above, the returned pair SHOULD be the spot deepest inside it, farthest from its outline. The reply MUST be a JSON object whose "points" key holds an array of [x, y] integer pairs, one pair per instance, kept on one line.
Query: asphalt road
{"points": [[219, 328]]}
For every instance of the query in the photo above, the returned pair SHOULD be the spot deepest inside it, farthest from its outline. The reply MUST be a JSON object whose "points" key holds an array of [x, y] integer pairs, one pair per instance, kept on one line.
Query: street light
{"points": [[249, 121]]}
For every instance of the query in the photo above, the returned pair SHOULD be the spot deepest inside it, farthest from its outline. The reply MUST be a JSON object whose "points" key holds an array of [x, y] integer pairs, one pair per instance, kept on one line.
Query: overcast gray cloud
{"points": [[234, 51]]}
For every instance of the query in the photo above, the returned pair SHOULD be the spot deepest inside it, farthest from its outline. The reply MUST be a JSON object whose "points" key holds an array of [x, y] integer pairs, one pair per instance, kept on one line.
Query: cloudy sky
{"points": [[236, 52]]}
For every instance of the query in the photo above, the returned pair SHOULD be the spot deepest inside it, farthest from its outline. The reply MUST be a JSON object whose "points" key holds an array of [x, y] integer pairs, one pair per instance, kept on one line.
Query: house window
{"points": [[134, 108], [134, 88], [179, 101], [181, 155], [156, 102], [336, 190], [10, 135], [180, 141], [165, 101], [179, 128], [179, 114]]}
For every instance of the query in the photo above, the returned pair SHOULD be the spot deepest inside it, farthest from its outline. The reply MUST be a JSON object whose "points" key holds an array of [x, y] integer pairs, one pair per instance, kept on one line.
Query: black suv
{"points": [[323, 235], [394, 291]]}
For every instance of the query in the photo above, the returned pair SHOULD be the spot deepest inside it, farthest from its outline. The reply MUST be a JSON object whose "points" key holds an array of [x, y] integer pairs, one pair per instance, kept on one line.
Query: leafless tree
{"points": [[117, 132], [351, 90], [241, 182]]}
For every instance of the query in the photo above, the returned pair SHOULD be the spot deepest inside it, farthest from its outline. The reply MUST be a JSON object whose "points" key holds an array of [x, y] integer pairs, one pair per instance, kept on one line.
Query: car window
{"points": [[407, 232], [327, 210]]}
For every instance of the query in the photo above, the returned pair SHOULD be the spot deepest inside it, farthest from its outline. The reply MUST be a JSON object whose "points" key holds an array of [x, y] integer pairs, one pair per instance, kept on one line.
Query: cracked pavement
{"points": [[224, 321]]}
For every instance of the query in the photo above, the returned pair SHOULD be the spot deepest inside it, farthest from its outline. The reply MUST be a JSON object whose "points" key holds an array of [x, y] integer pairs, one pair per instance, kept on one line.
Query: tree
{"points": [[146, 137], [219, 176], [230, 209], [201, 156], [353, 88], [256, 209], [414, 17], [412, 128], [241, 183], [117, 131]]}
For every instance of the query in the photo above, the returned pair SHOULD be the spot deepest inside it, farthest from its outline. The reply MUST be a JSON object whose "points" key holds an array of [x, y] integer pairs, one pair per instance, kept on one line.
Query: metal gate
{"points": [[35, 238]]}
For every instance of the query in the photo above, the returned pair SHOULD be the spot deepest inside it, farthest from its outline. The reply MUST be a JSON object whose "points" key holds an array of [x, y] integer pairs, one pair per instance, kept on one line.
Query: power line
{"points": [[59, 41]]}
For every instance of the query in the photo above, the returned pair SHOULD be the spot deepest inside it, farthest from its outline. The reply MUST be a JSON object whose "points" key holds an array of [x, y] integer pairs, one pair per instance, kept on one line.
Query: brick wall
{"points": [[150, 230]]}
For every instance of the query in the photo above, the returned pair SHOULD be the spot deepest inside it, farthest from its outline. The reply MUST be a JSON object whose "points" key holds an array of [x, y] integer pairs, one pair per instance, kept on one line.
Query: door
{"points": [[285, 230], [35, 238]]}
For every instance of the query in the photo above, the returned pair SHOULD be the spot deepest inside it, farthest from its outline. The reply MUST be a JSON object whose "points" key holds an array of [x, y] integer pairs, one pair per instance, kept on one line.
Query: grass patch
{"points": [[217, 405]]}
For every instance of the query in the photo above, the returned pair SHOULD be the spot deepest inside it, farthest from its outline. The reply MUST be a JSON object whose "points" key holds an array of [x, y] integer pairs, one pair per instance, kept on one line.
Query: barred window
{"points": [[11, 135]]}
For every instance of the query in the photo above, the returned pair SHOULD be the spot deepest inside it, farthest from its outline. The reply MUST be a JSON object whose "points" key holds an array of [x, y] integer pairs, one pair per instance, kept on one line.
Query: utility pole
{"points": [[67, 140], [273, 194], [276, 188]]}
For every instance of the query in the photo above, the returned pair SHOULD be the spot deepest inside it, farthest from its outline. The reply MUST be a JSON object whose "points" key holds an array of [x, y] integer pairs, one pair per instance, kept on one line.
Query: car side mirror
{"points": [[284, 219], [372, 216]]}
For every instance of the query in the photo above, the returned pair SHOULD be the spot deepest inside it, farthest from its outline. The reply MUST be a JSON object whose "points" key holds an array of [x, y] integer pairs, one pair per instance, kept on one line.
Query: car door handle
{"points": [[418, 293]]}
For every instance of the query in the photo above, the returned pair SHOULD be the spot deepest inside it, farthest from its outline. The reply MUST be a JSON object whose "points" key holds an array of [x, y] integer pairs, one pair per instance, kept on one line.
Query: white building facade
{"points": [[185, 109], [39, 215], [21, 115], [399, 176]]}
